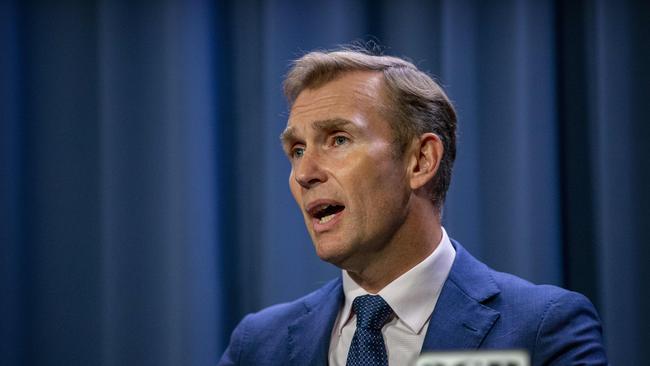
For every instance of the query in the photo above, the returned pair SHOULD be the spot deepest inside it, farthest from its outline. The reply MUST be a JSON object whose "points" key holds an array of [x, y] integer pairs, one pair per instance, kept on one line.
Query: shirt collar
{"points": [[413, 295]]}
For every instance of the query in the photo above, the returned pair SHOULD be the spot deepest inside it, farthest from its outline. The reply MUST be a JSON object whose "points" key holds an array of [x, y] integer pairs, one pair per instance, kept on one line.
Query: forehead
{"points": [[353, 93]]}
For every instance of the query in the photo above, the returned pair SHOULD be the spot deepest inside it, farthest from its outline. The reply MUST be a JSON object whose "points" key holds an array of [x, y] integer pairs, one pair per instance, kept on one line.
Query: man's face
{"points": [[352, 189]]}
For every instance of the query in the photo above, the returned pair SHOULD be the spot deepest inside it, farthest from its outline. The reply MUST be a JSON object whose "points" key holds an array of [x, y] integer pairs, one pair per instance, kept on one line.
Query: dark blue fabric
{"points": [[478, 308], [144, 207]]}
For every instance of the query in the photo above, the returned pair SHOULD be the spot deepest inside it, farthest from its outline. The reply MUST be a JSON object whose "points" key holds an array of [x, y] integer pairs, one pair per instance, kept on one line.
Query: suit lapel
{"points": [[309, 334], [460, 320]]}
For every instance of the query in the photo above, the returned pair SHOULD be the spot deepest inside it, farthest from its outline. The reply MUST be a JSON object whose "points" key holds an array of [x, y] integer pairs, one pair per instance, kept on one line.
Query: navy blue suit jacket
{"points": [[477, 308]]}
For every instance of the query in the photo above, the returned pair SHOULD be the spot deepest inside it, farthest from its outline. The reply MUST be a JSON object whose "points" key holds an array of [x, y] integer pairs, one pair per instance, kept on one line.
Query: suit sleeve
{"points": [[569, 333], [232, 354]]}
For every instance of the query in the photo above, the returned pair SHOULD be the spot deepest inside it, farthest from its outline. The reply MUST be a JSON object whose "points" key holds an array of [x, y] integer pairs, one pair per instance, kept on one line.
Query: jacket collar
{"points": [[310, 333], [460, 319]]}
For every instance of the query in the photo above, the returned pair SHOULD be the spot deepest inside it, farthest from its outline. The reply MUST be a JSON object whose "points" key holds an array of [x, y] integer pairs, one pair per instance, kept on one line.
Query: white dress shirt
{"points": [[412, 296]]}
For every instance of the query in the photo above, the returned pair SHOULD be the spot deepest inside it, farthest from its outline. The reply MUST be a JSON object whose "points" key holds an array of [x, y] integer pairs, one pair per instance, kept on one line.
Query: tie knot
{"points": [[372, 311]]}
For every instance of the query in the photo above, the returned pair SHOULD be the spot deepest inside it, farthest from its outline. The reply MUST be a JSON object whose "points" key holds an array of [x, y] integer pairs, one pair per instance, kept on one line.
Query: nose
{"points": [[308, 171]]}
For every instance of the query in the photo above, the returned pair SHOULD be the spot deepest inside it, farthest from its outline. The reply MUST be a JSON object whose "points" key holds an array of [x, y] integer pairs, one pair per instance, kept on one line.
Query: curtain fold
{"points": [[160, 183]]}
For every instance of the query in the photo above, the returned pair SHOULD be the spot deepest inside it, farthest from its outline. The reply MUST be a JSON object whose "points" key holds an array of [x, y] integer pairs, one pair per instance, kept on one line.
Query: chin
{"points": [[331, 254]]}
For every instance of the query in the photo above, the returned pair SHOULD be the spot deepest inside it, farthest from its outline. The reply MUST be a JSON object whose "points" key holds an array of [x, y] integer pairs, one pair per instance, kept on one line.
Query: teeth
{"points": [[326, 219]]}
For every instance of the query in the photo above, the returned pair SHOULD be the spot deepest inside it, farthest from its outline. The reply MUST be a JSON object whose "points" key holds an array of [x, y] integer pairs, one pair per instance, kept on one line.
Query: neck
{"points": [[415, 241]]}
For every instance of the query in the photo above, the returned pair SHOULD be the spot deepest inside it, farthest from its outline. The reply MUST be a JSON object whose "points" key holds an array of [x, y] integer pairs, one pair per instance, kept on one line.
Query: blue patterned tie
{"points": [[367, 346]]}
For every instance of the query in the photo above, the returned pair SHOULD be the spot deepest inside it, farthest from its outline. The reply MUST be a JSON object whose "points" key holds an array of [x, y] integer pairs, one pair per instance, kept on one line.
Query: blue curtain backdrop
{"points": [[144, 206]]}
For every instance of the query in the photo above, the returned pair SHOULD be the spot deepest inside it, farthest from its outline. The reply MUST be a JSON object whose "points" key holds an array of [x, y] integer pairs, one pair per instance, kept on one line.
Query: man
{"points": [[371, 141]]}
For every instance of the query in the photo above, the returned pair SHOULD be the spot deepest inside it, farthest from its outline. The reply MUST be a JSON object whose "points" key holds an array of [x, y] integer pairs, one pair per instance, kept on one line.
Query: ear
{"points": [[425, 156]]}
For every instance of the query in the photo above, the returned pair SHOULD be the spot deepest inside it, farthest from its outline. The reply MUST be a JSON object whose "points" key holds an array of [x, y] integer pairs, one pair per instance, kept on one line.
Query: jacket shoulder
{"points": [[283, 314], [558, 326], [264, 332], [527, 297]]}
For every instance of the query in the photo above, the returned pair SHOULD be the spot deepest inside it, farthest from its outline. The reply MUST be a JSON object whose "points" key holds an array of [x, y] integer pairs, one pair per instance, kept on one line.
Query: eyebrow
{"points": [[289, 134], [332, 124]]}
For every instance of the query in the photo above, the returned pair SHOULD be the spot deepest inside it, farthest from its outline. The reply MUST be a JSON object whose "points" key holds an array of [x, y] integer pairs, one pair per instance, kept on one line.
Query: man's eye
{"points": [[340, 140], [297, 152]]}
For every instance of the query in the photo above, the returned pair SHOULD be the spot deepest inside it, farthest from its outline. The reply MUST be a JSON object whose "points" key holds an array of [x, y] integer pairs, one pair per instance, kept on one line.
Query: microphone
{"points": [[475, 358]]}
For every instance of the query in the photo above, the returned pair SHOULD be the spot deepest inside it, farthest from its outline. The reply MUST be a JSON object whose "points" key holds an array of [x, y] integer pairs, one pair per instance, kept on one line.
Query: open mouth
{"points": [[326, 212]]}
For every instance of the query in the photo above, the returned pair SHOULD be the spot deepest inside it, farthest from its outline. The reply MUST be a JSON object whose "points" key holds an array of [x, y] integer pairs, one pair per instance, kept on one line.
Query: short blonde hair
{"points": [[416, 103]]}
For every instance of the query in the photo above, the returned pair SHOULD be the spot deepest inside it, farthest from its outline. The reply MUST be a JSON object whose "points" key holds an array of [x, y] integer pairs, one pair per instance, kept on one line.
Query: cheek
{"points": [[374, 183], [384, 187]]}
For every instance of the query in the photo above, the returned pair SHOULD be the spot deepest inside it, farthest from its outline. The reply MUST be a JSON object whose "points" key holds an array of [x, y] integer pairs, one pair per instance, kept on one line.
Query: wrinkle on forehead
{"points": [[357, 89], [304, 105]]}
